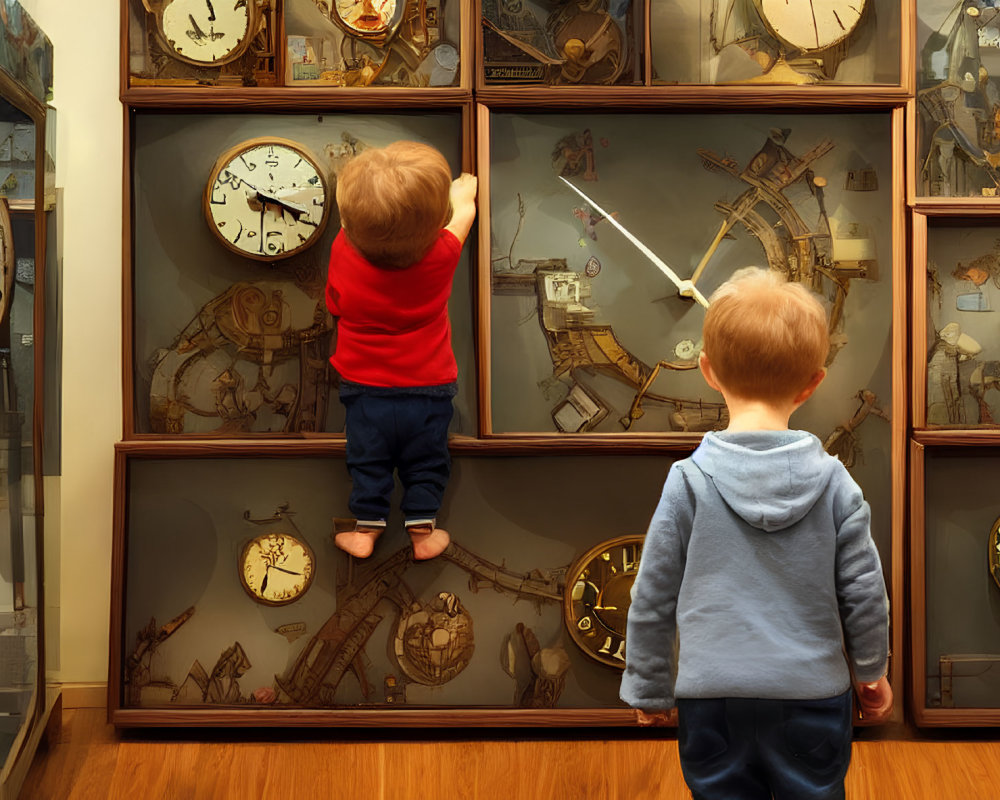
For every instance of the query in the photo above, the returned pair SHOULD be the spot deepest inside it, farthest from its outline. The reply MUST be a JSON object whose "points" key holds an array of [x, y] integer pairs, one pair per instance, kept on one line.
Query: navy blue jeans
{"points": [[404, 433], [746, 749]]}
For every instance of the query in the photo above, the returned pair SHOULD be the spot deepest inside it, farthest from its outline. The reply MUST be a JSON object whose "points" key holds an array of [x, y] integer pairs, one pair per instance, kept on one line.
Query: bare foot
{"points": [[428, 541], [359, 542]]}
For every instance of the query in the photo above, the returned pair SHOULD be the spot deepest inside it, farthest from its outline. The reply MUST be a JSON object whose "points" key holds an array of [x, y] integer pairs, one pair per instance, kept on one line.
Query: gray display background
{"points": [[650, 173], [179, 265], [946, 247], [682, 52], [186, 530], [963, 602]]}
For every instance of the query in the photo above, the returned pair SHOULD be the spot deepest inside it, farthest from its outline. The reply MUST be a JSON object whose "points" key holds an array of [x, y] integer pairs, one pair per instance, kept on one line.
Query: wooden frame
{"points": [[652, 93], [924, 715], [474, 101]]}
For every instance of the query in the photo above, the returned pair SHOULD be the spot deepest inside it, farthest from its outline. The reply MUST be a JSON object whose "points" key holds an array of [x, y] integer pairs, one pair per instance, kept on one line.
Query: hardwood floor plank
{"points": [[92, 762]]}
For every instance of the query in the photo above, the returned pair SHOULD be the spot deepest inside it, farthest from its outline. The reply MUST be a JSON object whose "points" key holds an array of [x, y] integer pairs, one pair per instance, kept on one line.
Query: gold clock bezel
{"points": [[7, 260], [576, 573], [993, 553], [242, 560], [253, 23], [378, 38], [235, 152]]}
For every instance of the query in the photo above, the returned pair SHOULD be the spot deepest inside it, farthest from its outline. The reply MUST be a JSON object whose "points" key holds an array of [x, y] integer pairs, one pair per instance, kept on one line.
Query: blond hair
{"points": [[393, 202], [765, 338]]}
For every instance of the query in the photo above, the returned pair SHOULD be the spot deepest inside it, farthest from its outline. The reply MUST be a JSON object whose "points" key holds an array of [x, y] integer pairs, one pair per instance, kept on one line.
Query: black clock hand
{"points": [[263, 583], [197, 33], [211, 11], [286, 571]]}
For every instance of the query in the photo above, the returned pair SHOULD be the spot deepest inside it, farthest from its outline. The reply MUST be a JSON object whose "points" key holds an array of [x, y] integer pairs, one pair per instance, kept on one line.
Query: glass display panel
{"points": [[230, 345], [963, 355], [958, 98], [195, 42], [776, 42], [487, 624], [372, 42], [962, 554], [19, 567], [563, 44]]}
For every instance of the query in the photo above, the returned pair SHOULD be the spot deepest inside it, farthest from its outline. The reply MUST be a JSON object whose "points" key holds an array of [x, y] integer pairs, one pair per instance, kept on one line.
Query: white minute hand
{"points": [[686, 288]]}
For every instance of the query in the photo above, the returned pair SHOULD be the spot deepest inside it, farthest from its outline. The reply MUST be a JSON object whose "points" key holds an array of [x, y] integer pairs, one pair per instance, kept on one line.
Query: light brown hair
{"points": [[393, 202], [764, 337]]}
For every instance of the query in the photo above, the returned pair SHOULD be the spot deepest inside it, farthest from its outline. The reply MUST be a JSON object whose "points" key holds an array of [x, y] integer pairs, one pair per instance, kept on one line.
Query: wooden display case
{"points": [[547, 475]]}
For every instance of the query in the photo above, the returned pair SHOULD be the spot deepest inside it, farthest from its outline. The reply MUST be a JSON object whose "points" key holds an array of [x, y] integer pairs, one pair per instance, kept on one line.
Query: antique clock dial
{"points": [[207, 31], [598, 595], [375, 20], [276, 568], [267, 199], [811, 24]]}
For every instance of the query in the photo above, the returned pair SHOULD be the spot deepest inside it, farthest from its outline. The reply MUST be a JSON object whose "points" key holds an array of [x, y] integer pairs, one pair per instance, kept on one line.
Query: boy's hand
{"points": [[655, 719], [463, 189], [875, 700]]}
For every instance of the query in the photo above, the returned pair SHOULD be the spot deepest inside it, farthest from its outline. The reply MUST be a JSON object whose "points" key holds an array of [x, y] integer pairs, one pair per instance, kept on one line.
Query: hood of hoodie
{"points": [[770, 478]]}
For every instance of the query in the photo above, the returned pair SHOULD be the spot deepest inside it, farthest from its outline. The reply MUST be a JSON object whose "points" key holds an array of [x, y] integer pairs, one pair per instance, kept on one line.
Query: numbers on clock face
{"points": [[276, 568], [812, 24], [206, 30], [598, 597], [268, 201], [366, 16]]}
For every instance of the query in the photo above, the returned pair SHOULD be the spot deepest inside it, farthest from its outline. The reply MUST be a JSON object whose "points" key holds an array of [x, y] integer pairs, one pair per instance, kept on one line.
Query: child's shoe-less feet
{"points": [[428, 541], [356, 537]]}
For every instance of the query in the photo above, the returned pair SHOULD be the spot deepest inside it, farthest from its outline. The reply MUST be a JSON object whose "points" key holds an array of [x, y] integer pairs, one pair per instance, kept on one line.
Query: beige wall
{"points": [[89, 169]]}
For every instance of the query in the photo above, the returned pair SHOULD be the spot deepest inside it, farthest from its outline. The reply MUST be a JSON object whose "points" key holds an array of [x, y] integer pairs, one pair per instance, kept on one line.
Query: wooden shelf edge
{"points": [[956, 206], [305, 99], [948, 437], [371, 718], [956, 717]]}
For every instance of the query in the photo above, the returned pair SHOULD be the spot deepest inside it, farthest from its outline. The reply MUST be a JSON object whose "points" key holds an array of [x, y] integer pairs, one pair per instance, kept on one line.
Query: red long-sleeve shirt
{"points": [[393, 328]]}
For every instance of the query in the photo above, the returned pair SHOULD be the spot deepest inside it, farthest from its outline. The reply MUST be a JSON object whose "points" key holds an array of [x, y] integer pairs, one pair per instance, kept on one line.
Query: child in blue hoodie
{"points": [[760, 597]]}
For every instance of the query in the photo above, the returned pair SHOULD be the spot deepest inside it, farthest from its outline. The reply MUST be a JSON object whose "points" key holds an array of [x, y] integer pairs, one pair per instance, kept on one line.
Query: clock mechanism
{"points": [[598, 596]]}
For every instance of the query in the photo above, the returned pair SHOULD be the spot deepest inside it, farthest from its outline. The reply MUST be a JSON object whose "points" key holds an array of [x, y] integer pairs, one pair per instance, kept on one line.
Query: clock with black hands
{"points": [[276, 569], [810, 25], [266, 199], [207, 32]]}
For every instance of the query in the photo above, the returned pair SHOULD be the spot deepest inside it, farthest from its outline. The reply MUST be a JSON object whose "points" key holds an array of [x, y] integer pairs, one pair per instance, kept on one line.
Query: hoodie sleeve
{"points": [[651, 629], [861, 593]]}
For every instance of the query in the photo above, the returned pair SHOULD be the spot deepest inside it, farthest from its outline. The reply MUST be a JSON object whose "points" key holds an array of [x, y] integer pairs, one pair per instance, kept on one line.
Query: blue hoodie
{"points": [[757, 575]]}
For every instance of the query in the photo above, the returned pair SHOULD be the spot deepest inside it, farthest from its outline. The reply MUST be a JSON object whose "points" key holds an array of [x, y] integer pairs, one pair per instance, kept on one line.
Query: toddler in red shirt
{"points": [[403, 223]]}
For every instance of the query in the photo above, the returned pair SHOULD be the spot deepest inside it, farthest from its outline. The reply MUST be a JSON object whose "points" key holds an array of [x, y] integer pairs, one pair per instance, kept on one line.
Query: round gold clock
{"points": [[811, 25], [276, 568], [994, 552], [372, 20], [598, 595], [267, 198], [207, 32]]}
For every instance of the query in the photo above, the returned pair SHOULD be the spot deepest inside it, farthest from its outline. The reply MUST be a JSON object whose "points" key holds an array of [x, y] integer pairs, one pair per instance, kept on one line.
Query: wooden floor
{"points": [[90, 761]]}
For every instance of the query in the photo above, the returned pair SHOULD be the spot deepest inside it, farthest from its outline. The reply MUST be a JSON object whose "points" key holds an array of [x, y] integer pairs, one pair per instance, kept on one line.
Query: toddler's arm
{"points": [[463, 205]]}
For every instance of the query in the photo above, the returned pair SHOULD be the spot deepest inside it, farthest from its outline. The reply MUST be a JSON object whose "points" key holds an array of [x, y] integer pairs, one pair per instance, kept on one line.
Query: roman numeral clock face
{"points": [[267, 199], [598, 596], [206, 31]]}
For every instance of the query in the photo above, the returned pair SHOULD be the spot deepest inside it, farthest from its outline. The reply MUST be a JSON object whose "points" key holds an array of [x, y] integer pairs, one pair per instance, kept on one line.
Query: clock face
{"points": [[375, 19], [206, 31], [276, 568], [812, 24], [266, 199], [598, 596]]}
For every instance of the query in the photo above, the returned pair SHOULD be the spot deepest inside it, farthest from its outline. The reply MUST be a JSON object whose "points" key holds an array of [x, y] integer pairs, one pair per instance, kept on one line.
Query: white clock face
{"points": [[268, 201], [812, 24], [206, 30], [366, 16]]}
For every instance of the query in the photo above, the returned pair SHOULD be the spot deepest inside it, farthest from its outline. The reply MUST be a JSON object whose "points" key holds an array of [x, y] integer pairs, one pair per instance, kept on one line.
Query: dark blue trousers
{"points": [[404, 433], [746, 749]]}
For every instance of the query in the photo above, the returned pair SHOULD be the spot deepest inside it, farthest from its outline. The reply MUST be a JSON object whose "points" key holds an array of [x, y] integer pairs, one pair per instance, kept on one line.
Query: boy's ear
{"points": [[810, 387], [706, 369]]}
